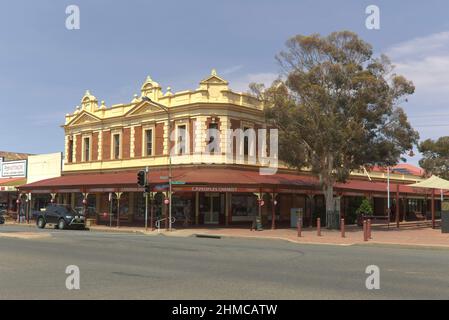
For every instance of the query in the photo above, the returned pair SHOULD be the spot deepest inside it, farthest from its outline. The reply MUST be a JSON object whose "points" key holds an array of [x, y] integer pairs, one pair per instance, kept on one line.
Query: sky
{"points": [[46, 68]]}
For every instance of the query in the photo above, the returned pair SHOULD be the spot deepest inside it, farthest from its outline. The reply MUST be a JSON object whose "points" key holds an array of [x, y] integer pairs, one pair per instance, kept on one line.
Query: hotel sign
{"points": [[13, 169]]}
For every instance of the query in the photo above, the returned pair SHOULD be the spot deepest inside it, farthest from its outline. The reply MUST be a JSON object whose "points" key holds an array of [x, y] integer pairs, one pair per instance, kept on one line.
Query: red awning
{"points": [[127, 181]]}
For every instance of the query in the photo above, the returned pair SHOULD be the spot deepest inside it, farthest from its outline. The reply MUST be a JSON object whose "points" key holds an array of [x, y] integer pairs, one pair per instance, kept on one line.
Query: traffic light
{"points": [[147, 189], [141, 179]]}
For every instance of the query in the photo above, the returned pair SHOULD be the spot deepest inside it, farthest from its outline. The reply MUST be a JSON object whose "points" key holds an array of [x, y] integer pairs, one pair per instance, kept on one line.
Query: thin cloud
{"points": [[232, 69], [242, 84]]}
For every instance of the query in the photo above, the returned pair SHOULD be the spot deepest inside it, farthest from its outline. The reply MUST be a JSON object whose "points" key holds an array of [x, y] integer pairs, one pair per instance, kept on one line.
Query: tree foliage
{"points": [[435, 159], [337, 108]]}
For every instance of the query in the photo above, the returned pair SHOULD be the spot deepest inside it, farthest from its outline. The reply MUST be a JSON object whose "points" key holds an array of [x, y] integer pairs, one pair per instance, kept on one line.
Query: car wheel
{"points": [[41, 223], [61, 224]]}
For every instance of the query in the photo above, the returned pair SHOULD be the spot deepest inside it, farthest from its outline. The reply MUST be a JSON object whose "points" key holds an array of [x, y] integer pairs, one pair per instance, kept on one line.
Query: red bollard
{"points": [[299, 227], [369, 229], [342, 227], [318, 227], [365, 231]]}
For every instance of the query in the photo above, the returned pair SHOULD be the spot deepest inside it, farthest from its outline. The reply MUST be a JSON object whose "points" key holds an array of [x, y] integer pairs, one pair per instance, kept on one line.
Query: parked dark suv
{"points": [[61, 216]]}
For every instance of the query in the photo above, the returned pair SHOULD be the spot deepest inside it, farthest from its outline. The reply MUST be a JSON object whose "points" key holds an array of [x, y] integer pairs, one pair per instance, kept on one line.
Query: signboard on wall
{"points": [[14, 169], [44, 166]]}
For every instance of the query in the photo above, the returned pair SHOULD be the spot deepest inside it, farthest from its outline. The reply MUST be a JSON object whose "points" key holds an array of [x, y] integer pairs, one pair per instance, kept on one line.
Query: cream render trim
{"points": [[100, 145]]}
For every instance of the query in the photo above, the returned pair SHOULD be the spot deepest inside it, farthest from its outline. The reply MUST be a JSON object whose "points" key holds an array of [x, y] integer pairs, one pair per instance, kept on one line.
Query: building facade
{"points": [[217, 177]]}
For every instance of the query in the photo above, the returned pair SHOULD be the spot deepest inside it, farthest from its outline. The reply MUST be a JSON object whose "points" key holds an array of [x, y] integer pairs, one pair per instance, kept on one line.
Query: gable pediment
{"points": [[83, 118], [214, 79], [142, 108]]}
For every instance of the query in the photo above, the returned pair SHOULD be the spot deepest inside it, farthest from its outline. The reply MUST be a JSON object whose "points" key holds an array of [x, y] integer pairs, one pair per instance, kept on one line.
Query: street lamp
{"points": [[164, 108]]}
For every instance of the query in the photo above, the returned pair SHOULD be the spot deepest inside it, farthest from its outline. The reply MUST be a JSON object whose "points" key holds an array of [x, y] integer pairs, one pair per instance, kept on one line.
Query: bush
{"points": [[365, 208]]}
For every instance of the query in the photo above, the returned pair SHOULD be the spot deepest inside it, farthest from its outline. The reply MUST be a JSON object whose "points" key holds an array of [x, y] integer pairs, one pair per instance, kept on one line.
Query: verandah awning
{"points": [[194, 176], [433, 182]]}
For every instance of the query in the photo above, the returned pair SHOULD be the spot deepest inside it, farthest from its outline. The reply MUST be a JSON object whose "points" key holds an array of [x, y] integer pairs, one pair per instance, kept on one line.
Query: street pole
{"points": [[388, 191], [146, 200], [110, 210], [169, 171], [164, 108]]}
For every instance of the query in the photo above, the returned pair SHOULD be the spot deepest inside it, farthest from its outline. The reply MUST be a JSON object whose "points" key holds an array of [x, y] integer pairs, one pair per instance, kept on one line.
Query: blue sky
{"points": [[45, 68]]}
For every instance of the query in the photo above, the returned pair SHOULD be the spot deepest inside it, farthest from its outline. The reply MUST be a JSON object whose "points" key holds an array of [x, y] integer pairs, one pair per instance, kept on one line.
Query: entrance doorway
{"points": [[211, 208]]}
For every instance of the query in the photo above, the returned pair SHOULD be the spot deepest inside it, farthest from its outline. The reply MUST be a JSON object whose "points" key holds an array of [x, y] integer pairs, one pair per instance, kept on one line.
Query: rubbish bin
{"points": [[445, 222]]}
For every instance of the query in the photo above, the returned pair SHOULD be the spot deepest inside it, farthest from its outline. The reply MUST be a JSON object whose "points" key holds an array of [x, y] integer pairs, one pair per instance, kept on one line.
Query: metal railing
{"points": [[158, 223]]}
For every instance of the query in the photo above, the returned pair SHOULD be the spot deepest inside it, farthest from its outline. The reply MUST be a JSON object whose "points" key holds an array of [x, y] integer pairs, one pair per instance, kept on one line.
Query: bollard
{"points": [[342, 227], [365, 231], [318, 227], [299, 227], [369, 229]]}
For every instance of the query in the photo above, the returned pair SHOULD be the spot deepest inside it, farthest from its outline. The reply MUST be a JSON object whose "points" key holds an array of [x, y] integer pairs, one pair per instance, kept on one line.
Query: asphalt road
{"points": [[128, 266]]}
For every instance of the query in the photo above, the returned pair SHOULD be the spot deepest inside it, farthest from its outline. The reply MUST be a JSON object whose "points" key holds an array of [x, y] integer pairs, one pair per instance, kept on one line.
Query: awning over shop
{"points": [[10, 184], [433, 182], [200, 176]]}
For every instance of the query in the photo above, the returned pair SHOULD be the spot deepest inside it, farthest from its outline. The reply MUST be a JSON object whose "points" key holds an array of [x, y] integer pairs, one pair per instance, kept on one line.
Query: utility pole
{"points": [[146, 198]]}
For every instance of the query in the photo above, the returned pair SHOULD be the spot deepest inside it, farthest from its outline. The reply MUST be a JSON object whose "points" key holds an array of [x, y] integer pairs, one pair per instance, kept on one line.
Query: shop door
{"points": [[211, 216]]}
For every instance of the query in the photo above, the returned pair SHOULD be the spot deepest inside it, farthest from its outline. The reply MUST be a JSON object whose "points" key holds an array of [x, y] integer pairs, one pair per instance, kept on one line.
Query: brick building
{"points": [[105, 147]]}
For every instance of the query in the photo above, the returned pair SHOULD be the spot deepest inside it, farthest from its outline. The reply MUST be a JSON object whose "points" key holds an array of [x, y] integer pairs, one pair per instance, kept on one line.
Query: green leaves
{"points": [[435, 157], [337, 109]]}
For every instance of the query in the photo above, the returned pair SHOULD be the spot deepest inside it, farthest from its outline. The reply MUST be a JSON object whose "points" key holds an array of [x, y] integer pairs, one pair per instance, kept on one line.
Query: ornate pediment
{"points": [[143, 107], [83, 118]]}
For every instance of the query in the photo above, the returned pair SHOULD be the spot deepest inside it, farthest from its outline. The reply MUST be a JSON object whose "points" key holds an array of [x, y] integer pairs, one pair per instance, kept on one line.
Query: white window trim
{"points": [[83, 147], [114, 133], [144, 140], [187, 132]]}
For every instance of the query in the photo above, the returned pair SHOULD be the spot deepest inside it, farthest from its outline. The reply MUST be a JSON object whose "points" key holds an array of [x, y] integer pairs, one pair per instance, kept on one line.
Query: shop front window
{"points": [[244, 207]]}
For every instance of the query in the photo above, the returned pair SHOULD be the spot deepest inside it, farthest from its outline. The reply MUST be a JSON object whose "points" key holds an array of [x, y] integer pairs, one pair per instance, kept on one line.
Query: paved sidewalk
{"points": [[426, 237], [410, 236]]}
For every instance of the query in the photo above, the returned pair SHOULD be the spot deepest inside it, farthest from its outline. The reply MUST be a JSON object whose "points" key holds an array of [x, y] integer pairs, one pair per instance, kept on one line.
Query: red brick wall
{"points": [[138, 141], [107, 145], [159, 138], [78, 147], [126, 143], [94, 146]]}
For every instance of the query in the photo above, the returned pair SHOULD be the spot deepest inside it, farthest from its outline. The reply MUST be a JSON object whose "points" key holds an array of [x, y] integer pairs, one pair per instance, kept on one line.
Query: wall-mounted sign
{"points": [[14, 169]]}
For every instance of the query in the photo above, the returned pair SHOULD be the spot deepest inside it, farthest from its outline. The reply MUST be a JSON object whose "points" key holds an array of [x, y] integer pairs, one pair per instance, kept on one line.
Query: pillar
{"points": [[227, 208], [197, 208], [397, 206], [433, 208]]}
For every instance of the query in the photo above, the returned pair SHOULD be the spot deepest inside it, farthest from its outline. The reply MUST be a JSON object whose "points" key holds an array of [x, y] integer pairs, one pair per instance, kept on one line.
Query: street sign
{"points": [[163, 177], [178, 182]]}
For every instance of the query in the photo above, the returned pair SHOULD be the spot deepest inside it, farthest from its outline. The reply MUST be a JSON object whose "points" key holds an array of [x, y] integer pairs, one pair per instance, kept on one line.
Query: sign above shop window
{"points": [[13, 169]]}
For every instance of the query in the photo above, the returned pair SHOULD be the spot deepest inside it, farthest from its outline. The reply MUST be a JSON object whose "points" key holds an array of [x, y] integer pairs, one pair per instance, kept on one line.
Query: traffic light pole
{"points": [[167, 111]]}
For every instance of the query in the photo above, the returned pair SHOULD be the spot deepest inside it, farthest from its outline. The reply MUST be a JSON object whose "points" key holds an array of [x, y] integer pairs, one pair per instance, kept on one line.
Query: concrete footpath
{"points": [[409, 236]]}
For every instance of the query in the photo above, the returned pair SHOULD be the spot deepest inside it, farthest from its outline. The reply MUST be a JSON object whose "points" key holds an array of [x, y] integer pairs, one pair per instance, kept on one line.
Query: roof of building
{"points": [[10, 156], [403, 168], [12, 181]]}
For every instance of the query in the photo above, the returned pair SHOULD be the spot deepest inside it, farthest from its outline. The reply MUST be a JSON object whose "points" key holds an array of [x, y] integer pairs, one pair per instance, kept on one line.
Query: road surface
{"points": [[130, 266]]}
